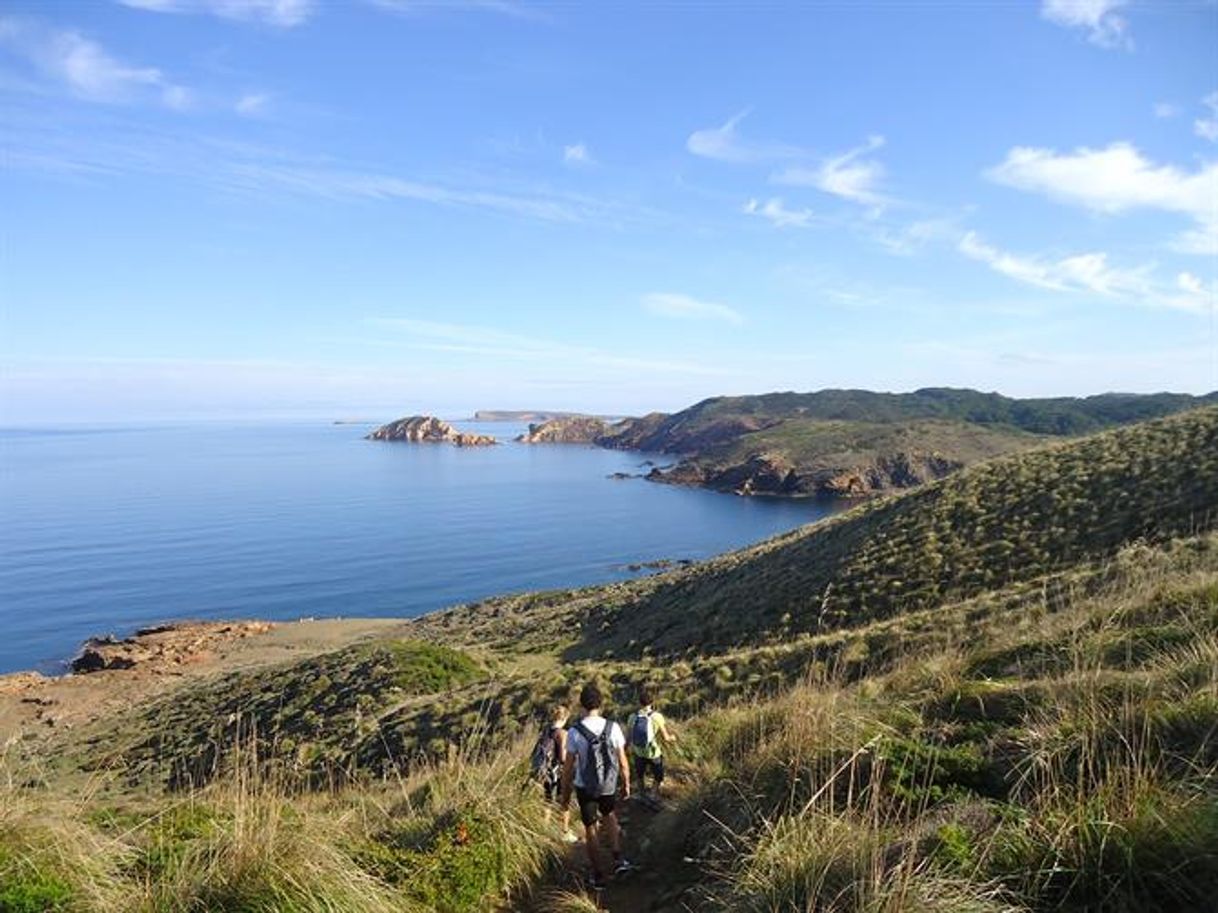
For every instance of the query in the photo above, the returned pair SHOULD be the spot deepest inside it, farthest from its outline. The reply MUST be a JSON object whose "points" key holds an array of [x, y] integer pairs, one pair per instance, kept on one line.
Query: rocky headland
{"points": [[576, 429], [427, 429]]}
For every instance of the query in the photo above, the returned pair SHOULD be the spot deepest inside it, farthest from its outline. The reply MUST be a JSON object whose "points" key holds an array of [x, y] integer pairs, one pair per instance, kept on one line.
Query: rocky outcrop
{"points": [[892, 471], [162, 648], [767, 474], [580, 429], [427, 429]]}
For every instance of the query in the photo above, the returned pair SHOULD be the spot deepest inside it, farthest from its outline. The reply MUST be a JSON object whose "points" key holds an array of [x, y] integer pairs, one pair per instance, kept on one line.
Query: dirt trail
{"points": [[643, 890]]}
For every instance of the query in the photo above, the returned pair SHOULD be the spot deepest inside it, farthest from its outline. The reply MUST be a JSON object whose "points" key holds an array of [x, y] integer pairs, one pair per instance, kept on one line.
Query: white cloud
{"points": [[1165, 110], [1206, 126], [576, 154], [1091, 273], [1116, 179], [852, 175], [85, 68], [282, 13], [252, 104], [671, 304], [1105, 26], [778, 214], [504, 7], [725, 144]]}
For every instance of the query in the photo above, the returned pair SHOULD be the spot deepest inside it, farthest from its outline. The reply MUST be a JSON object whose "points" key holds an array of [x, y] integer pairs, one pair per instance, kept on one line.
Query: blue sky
{"points": [[216, 208]]}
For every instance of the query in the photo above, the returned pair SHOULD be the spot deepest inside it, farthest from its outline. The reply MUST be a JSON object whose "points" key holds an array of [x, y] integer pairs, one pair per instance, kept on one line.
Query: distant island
{"points": [[427, 429], [508, 415]]}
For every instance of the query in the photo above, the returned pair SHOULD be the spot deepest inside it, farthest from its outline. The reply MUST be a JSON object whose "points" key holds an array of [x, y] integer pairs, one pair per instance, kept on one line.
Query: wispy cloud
{"points": [[1206, 126], [672, 304], [85, 68], [511, 8], [1091, 273], [1104, 25], [1165, 110], [252, 104], [726, 144], [778, 214], [342, 184], [852, 175], [906, 239], [1116, 179], [576, 154], [490, 342], [116, 145], [280, 13]]}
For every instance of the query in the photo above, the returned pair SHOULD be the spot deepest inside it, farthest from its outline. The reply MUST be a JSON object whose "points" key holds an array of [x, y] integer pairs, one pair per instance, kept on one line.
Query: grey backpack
{"points": [[600, 769]]}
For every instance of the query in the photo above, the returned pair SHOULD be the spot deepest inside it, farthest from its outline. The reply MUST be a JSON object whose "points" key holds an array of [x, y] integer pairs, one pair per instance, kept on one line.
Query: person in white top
{"points": [[596, 765]]}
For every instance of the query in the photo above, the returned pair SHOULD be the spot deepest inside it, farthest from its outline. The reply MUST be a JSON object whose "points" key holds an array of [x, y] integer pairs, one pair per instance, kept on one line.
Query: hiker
{"points": [[549, 753], [596, 766], [649, 734]]}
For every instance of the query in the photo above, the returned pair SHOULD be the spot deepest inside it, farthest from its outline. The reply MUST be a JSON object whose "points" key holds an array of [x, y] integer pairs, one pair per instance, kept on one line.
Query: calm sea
{"points": [[109, 529]]}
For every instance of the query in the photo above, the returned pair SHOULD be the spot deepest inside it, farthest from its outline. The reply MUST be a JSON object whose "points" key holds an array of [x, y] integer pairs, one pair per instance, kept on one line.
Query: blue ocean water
{"points": [[109, 529]]}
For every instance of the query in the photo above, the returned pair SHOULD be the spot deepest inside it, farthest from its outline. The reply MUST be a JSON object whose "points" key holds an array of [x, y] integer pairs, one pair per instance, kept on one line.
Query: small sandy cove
{"points": [[36, 708]]}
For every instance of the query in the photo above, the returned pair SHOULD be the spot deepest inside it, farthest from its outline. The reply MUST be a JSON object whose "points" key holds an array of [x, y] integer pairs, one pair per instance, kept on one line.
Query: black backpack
{"points": [[600, 770], [642, 733], [543, 764]]}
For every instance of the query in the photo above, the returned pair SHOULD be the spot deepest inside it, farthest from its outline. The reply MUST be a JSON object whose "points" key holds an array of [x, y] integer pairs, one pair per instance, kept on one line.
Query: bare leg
{"points": [[615, 834], [590, 847]]}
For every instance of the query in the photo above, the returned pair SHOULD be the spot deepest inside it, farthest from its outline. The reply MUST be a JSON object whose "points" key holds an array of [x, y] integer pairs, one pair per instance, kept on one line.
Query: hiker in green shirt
{"points": [[648, 733]]}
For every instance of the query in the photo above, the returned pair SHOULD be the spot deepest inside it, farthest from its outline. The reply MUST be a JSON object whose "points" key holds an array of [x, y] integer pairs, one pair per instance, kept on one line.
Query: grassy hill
{"points": [[997, 692], [1000, 522], [715, 419]]}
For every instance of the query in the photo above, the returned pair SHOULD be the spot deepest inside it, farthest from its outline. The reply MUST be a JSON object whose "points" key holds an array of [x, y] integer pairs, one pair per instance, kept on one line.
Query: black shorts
{"points": [[589, 805], [550, 786], [641, 766]]}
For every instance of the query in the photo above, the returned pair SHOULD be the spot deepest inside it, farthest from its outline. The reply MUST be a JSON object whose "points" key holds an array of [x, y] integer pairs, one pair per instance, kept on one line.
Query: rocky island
{"points": [[427, 429], [574, 429]]}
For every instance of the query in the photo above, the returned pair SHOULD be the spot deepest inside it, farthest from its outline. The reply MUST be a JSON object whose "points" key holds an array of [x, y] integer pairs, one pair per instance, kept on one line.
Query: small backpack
{"points": [[642, 733], [600, 770], [543, 765]]}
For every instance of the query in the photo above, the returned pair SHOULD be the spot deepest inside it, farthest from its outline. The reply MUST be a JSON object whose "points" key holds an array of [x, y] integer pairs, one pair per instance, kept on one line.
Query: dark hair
{"points": [[590, 697], [645, 695]]}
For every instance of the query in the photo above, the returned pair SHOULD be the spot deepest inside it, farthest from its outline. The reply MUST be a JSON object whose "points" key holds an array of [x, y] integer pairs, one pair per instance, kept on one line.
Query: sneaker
{"points": [[624, 866], [568, 836], [596, 882]]}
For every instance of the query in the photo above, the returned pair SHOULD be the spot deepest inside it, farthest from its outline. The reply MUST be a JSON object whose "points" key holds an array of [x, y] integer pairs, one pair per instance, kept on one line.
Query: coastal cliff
{"points": [[775, 474], [427, 429]]}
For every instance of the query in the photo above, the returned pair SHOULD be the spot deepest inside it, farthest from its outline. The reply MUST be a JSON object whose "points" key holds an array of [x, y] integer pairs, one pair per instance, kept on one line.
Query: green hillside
{"points": [[716, 419], [1000, 522]]}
